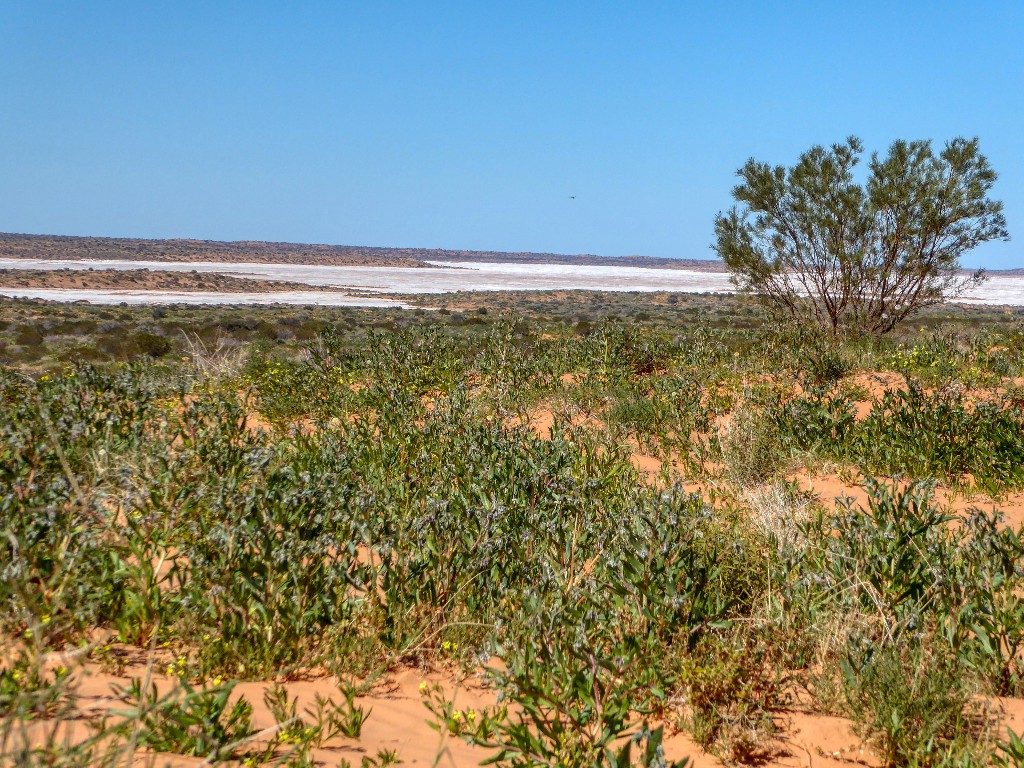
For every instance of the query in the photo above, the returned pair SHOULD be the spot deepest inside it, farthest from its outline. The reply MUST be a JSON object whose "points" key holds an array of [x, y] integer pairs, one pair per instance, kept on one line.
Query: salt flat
{"points": [[442, 277]]}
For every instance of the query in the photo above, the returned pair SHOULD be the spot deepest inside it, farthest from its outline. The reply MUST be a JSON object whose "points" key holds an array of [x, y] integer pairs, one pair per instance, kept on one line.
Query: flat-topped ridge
{"points": [[14, 245]]}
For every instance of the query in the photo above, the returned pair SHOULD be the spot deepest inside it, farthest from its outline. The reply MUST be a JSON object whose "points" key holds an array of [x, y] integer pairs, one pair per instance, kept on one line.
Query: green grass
{"points": [[396, 511]]}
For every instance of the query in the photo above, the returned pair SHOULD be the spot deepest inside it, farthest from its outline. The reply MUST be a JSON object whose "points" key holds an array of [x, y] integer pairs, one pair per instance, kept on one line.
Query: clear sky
{"points": [[471, 125]]}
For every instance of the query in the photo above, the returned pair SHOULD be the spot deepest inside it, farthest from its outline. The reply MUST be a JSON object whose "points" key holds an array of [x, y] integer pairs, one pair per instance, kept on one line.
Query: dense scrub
{"points": [[385, 499]]}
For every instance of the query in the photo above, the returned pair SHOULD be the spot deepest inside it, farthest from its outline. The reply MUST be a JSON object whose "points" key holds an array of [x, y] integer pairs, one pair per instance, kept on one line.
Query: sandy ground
{"points": [[830, 488], [398, 720]]}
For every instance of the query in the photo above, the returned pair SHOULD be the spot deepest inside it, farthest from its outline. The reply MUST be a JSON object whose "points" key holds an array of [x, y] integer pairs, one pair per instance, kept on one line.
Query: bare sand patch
{"points": [[398, 720]]}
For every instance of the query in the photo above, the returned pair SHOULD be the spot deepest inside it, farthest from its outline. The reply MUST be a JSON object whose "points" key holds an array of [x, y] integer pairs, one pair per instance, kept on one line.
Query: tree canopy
{"points": [[822, 248]]}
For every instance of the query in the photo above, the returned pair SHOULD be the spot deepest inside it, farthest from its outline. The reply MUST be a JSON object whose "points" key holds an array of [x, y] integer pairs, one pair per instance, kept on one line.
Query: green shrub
{"points": [[28, 336], [752, 447], [918, 434], [911, 704], [941, 435], [152, 344], [185, 721], [731, 690]]}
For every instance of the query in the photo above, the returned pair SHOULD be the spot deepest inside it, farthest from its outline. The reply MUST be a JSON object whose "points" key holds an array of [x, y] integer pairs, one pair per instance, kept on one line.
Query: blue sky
{"points": [[470, 125]]}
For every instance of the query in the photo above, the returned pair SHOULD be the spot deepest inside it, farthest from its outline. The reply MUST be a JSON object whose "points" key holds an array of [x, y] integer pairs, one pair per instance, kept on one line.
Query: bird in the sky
{"points": [[572, 197]]}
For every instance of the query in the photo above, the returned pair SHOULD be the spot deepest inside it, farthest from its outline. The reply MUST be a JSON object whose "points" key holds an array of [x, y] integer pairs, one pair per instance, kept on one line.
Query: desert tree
{"points": [[820, 247]]}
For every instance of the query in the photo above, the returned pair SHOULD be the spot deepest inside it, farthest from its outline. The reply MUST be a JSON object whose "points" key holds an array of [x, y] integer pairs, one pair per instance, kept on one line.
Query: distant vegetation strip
{"points": [[143, 280], [67, 247]]}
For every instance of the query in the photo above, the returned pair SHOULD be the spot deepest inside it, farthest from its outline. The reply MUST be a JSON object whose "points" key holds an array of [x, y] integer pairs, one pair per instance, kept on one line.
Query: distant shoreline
{"points": [[144, 280], [68, 247], [73, 247]]}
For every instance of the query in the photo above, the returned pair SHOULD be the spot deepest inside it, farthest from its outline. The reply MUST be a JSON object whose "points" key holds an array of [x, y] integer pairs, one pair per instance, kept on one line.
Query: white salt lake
{"points": [[442, 277]]}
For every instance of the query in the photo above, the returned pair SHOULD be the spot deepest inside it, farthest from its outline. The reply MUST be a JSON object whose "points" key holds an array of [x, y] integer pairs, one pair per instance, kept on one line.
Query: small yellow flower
{"points": [[424, 688], [471, 715], [457, 716]]}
